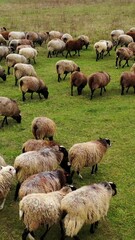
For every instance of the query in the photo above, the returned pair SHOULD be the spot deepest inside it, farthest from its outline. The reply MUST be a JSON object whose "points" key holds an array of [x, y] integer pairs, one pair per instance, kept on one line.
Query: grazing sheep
{"points": [[9, 108], [115, 34], [85, 39], [88, 154], [123, 40], [86, 205], [4, 51], [65, 67], [2, 73], [37, 38], [54, 34], [123, 53], [55, 46], [2, 40], [127, 80], [43, 127], [6, 177], [13, 44], [36, 144], [79, 80], [29, 53], [22, 46], [12, 59], [101, 47], [131, 34], [44, 182], [98, 80], [32, 84], [41, 209], [16, 35], [132, 29], [66, 36], [46, 159], [2, 161], [23, 69], [74, 45]]}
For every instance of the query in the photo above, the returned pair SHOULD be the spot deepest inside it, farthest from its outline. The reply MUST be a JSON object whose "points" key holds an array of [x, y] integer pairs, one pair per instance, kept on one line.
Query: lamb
{"points": [[86, 205], [2, 161], [115, 34], [4, 51], [127, 80], [123, 53], [87, 154], [101, 47], [55, 46], [85, 39], [32, 84], [36, 144], [123, 40], [41, 209], [29, 53], [65, 67], [6, 177], [12, 59], [32, 162], [9, 108], [74, 45], [44, 182], [2, 73], [16, 35], [2, 40], [98, 80], [54, 34], [23, 69], [43, 127], [79, 80]]}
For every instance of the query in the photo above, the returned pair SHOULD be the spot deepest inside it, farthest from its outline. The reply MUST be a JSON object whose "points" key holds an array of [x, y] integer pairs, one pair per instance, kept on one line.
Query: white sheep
{"points": [[30, 53], [43, 127], [33, 84], [123, 53], [6, 177], [88, 154], [101, 47], [4, 51], [9, 108], [36, 144], [54, 34], [86, 205], [65, 67], [23, 69], [124, 40], [115, 34], [66, 36], [55, 46], [22, 46], [12, 59], [41, 209], [16, 35]]}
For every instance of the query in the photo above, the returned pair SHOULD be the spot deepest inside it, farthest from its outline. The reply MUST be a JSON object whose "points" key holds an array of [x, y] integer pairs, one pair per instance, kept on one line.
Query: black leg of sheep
{"points": [[46, 231], [93, 227], [25, 234]]}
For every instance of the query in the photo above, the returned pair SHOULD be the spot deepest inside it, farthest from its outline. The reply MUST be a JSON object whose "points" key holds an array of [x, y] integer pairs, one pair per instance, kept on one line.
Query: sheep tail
{"points": [[72, 225]]}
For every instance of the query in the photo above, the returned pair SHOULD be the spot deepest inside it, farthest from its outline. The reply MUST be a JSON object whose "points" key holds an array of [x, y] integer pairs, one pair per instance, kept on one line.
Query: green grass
{"points": [[78, 119]]}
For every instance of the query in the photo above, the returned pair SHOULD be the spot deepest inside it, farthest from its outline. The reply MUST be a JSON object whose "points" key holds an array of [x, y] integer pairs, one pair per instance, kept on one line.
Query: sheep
{"points": [[44, 182], [74, 45], [86, 205], [54, 34], [87, 154], [123, 40], [29, 53], [2, 73], [12, 59], [101, 47], [41, 209], [127, 80], [85, 39], [6, 177], [32, 162], [32, 84], [43, 127], [9, 108], [98, 80], [23, 69], [16, 35], [22, 46], [115, 34], [2, 40], [4, 51], [132, 29], [13, 44], [132, 34], [131, 46], [2, 161], [79, 80], [37, 38], [36, 144], [5, 34], [55, 46], [65, 67], [123, 53], [66, 36]]}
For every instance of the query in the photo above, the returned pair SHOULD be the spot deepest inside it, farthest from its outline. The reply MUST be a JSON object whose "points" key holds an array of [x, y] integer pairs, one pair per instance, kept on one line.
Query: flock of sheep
{"points": [[45, 170]]}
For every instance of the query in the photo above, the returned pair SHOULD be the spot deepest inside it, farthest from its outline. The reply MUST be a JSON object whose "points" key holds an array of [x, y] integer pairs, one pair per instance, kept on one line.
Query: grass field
{"points": [[78, 118]]}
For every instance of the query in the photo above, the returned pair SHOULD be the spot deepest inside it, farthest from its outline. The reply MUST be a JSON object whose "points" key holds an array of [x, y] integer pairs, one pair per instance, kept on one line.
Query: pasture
{"points": [[78, 118]]}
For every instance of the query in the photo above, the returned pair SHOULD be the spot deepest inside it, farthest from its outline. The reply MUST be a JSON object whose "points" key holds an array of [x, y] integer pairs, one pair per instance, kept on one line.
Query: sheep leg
{"points": [[32, 95], [8, 71], [25, 233], [126, 63], [16, 81], [80, 176], [49, 54], [79, 89], [39, 96], [59, 77], [17, 191], [2, 205], [93, 227], [4, 121], [46, 231], [92, 91], [127, 89], [116, 63], [23, 96], [65, 76], [122, 90], [101, 91], [94, 169], [76, 238]]}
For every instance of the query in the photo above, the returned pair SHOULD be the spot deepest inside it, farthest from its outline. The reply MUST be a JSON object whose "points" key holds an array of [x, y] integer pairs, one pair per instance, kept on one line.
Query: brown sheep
{"points": [[79, 80], [74, 45], [37, 144], [127, 80], [131, 34], [123, 53], [98, 80]]}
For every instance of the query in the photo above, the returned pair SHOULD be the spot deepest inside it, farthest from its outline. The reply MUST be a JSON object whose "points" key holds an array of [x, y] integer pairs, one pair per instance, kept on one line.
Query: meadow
{"points": [[78, 118]]}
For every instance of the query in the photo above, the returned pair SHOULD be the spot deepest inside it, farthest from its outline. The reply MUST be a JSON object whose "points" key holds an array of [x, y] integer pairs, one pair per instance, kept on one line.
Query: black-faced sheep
{"points": [[30, 53], [79, 80], [2, 73], [85, 39], [123, 53], [127, 80], [115, 34], [23, 69], [43, 127], [55, 46], [98, 80], [6, 177], [88, 154], [36, 144], [74, 45], [65, 67], [86, 205], [41, 209], [44, 182], [32, 84], [12, 59], [37, 38], [102, 47], [123, 40], [9, 108]]}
